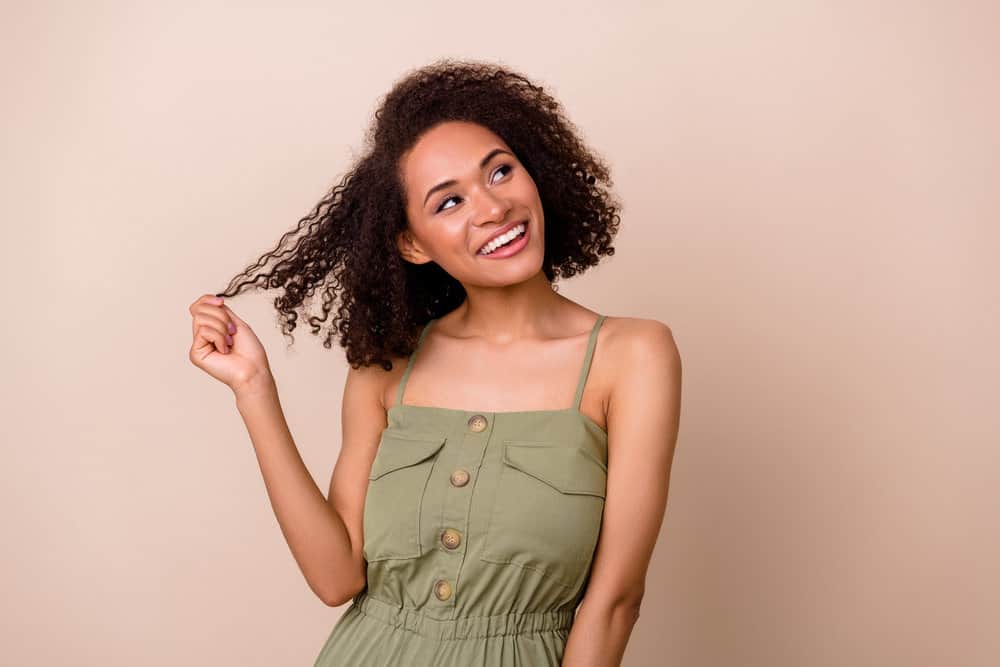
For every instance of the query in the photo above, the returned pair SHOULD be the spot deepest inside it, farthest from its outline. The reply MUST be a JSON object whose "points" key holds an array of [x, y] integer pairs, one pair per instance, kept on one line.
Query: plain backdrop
{"points": [[810, 202]]}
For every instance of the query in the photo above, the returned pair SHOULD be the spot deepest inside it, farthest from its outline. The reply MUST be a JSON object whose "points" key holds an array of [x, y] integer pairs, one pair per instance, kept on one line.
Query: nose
{"points": [[490, 207]]}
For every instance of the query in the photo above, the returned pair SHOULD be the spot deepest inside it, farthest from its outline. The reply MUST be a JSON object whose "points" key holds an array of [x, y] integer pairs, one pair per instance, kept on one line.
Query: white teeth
{"points": [[503, 239]]}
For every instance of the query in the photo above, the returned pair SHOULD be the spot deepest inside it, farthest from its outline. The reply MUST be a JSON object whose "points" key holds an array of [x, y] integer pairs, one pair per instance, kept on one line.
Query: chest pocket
{"points": [[393, 501], [548, 509]]}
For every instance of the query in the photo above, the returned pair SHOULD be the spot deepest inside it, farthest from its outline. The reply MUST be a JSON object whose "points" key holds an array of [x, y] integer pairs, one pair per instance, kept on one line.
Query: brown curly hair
{"points": [[348, 243]]}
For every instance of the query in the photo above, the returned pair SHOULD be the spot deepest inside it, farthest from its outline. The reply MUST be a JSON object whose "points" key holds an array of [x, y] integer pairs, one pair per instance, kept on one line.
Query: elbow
{"points": [[340, 596], [632, 610], [334, 600], [624, 606], [628, 607]]}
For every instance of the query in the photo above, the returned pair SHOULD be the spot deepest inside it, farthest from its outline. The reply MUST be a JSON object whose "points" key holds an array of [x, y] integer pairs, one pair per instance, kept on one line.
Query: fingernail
{"points": [[229, 339], [232, 328], [219, 300]]}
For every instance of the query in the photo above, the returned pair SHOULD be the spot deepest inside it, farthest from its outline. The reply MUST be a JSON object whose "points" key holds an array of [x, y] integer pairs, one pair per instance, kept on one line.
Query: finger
{"points": [[214, 323], [205, 298], [204, 317], [210, 335], [239, 322], [213, 314]]}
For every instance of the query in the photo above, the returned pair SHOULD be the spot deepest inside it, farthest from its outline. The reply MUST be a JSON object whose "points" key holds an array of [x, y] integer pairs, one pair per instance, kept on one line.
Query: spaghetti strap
{"points": [[449, 469], [409, 363], [586, 362]]}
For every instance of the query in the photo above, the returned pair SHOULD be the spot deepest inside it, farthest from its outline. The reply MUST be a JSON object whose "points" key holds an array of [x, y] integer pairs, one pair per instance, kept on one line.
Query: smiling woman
{"points": [[493, 207], [529, 149], [476, 519]]}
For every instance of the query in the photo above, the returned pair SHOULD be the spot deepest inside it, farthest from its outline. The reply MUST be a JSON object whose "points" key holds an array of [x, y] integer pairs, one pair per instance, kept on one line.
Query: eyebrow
{"points": [[482, 163]]}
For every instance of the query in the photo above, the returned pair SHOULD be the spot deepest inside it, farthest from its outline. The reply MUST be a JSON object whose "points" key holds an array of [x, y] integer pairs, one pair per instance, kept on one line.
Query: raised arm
{"points": [[324, 534]]}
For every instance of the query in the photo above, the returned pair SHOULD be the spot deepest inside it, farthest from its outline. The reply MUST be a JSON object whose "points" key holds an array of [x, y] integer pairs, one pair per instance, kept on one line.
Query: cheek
{"points": [[446, 240], [526, 188]]}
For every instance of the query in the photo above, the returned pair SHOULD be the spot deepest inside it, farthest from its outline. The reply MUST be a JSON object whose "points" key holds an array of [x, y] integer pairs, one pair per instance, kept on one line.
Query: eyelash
{"points": [[449, 197]]}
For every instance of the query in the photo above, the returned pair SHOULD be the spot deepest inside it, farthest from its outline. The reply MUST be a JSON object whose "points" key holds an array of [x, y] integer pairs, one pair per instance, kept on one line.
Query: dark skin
{"points": [[512, 323], [534, 339]]}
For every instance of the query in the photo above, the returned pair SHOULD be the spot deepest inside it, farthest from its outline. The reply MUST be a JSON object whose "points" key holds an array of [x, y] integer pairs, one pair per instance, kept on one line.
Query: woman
{"points": [[518, 465]]}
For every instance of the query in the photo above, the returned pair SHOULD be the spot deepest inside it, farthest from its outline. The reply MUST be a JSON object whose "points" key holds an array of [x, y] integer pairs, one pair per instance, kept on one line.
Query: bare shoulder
{"points": [[635, 340], [374, 383], [645, 372], [365, 383]]}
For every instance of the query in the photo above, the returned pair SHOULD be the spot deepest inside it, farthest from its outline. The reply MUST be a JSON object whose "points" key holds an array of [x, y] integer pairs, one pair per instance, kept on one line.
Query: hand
{"points": [[235, 359]]}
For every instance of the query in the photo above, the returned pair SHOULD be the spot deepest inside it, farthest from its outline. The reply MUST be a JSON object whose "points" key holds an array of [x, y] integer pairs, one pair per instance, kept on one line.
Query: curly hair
{"points": [[347, 242]]}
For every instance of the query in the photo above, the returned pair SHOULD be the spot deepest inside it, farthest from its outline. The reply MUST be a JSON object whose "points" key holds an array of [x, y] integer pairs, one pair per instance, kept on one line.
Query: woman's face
{"points": [[463, 186]]}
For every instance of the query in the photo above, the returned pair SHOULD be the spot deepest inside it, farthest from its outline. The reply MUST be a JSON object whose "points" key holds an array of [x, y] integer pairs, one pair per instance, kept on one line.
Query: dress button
{"points": [[451, 538], [442, 589], [477, 423], [460, 477]]}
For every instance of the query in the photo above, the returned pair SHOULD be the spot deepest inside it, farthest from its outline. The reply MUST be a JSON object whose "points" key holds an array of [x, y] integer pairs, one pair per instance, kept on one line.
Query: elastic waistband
{"points": [[414, 620]]}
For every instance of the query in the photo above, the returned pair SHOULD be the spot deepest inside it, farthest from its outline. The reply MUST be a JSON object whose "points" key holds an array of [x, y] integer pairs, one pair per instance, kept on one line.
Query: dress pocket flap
{"points": [[567, 469], [398, 451]]}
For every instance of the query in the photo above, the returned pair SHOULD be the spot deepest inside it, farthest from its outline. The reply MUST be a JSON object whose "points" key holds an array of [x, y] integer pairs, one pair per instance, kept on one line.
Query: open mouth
{"points": [[505, 242]]}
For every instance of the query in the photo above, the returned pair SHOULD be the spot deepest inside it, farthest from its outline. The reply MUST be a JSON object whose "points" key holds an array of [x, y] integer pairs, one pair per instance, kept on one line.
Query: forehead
{"points": [[447, 151]]}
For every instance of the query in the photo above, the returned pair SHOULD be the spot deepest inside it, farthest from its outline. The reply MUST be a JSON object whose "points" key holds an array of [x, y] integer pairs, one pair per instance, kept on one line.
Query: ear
{"points": [[409, 248]]}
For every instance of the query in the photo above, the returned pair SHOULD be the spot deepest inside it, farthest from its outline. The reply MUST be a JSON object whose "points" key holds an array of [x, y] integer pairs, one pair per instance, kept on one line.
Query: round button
{"points": [[442, 589], [477, 423], [459, 477], [451, 538]]}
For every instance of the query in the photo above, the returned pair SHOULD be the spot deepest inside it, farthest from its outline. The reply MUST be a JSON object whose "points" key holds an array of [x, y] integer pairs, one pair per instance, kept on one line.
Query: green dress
{"points": [[480, 530]]}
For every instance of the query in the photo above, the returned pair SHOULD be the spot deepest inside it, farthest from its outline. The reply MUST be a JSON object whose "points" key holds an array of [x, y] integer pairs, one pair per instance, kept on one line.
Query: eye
{"points": [[507, 166], [441, 206]]}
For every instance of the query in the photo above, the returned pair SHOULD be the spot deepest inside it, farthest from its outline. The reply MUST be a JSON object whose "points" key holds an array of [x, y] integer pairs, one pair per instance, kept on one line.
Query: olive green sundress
{"points": [[479, 535]]}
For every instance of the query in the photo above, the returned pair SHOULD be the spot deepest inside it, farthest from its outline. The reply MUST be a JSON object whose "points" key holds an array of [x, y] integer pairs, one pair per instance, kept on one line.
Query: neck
{"points": [[511, 312]]}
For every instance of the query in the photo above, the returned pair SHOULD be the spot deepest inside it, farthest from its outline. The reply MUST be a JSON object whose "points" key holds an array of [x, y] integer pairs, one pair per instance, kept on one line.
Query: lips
{"points": [[501, 232]]}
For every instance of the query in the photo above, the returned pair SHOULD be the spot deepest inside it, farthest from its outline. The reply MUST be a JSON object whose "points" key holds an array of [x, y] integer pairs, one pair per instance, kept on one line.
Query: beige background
{"points": [[811, 203]]}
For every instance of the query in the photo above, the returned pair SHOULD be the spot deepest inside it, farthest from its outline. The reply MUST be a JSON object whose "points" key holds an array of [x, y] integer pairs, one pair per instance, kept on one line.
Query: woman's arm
{"points": [[324, 535], [643, 420]]}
